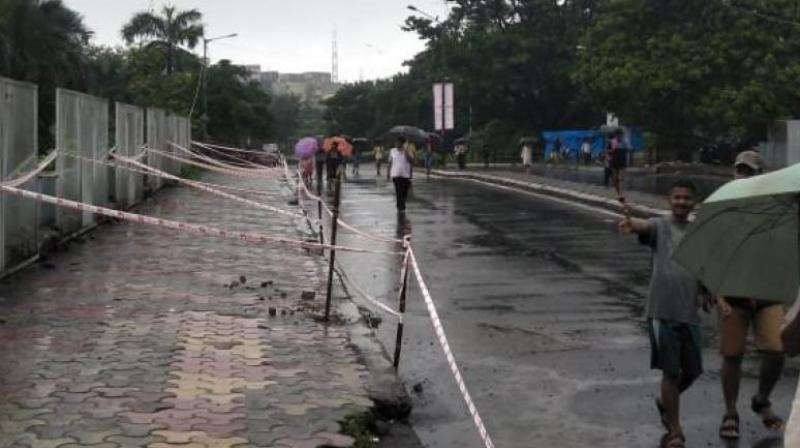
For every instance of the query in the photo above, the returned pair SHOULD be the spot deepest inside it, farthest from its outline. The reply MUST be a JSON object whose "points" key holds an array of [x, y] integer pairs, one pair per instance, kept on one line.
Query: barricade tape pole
{"points": [[321, 204], [398, 343], [334, 227], [451, 361], [346, 280], [182, 226]]}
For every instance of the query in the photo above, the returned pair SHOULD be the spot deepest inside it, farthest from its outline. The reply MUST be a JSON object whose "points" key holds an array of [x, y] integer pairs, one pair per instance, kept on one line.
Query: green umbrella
{"points": [[744, 241]]}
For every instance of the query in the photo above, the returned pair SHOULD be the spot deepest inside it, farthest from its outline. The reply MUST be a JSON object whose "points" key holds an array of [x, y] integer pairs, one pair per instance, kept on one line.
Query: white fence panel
{"points": [[130, 142], [19, 218]]}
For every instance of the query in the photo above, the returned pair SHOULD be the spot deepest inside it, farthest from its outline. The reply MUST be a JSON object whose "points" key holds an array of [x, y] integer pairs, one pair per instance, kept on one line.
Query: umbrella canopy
{"points": [[744, 241], [345, 148], [306, 147], [527, 141], [461, 141], [409, 132]]}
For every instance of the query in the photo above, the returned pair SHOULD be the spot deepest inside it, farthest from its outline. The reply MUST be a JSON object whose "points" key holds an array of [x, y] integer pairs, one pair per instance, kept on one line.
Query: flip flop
{"points": [[671, 440], [729, 429], [771, 421]]}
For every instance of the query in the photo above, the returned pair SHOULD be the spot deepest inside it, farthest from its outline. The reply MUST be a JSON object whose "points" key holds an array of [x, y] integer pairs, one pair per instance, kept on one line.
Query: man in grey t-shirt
{"points": [[672, 308]]}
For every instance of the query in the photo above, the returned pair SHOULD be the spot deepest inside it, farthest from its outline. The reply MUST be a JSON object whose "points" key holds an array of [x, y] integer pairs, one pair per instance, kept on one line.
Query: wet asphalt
{"points": [[542, 303]]}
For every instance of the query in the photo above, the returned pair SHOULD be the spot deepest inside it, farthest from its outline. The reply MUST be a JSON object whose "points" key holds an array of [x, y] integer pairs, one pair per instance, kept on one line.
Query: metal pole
{"points": [[398, 344], [321, 228], [205, 89], [334, 226], [319, 208]]}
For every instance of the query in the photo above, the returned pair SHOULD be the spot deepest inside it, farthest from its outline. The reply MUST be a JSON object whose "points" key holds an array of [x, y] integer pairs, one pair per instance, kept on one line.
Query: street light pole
{"points": [[206, 41]]}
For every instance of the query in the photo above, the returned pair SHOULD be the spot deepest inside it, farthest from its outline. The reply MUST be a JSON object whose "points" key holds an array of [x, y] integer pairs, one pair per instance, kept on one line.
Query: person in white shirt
{"points": [[400, 171]]}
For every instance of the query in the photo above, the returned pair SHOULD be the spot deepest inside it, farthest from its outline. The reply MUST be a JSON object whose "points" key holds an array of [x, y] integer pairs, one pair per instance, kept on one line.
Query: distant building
{"points": [[253, 72], [311, 87]]}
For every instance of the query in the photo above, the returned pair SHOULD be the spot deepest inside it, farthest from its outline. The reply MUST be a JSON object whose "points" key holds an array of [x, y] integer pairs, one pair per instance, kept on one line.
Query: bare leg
{"points": [[670, 399], [771, 369], [731, 373]]}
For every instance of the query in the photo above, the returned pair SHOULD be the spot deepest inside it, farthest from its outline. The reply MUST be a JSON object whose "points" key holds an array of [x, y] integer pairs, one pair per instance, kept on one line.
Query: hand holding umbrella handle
{"points": [[626, 225]]}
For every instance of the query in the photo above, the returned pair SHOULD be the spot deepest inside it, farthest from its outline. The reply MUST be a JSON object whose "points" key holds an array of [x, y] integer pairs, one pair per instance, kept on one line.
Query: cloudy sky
{"points": [[287, 35]]}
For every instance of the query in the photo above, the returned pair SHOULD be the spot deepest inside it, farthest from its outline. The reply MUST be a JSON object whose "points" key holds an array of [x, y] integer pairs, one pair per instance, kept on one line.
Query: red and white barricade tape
{"points": [[181, 226], [344, 224], [230, 156], [259, 171], [228, 148], [366, 296], [150, 173], [213, 191], [207, 166], [451, 361], [33, 173]]}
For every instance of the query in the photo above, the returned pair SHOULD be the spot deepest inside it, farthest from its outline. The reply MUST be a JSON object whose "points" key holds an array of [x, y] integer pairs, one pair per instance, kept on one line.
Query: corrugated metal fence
{"points": [[82, 130], [18, 144]]}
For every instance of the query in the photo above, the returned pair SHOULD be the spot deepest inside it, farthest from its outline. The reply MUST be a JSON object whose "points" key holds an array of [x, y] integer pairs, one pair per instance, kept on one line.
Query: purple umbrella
{"points": [[306, 147]]}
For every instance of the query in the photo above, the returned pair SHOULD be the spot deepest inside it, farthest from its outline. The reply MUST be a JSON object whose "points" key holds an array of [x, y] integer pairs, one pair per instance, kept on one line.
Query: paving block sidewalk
{"points": [[641, 204], [141, 337]]}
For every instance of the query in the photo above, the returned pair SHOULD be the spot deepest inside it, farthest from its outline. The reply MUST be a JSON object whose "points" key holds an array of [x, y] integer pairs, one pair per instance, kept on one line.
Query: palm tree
{"points": [[166, 32]]}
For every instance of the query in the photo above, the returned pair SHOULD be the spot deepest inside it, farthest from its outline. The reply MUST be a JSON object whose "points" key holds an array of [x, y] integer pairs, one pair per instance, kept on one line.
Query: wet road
{"points": [[542, 303]]}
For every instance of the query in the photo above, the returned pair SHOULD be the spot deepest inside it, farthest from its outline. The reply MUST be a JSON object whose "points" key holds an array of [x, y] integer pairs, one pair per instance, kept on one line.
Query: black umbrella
{"points": [[360, 143], [461, 141], [527, 141], [412, 133]]}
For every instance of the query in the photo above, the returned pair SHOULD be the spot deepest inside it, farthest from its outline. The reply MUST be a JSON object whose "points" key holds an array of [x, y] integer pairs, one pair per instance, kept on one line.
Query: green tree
{"points": [[690, 69], [166, 32], [509, 61], [239, 111], [286, 110], [43, 42]]}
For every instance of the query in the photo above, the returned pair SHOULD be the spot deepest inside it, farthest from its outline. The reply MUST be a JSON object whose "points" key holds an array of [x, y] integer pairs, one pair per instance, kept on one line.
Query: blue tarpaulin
{"points": [[571, 141]]}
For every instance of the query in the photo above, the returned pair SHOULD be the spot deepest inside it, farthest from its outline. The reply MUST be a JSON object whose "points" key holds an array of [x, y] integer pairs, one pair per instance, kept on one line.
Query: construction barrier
{"points": [[19, 221]]}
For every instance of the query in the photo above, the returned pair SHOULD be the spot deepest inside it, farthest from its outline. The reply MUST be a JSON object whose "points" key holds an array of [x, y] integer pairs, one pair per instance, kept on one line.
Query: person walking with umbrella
{"points": [[305, 150], [332, 161], [400, 171], [737, 314], [672, 308]]}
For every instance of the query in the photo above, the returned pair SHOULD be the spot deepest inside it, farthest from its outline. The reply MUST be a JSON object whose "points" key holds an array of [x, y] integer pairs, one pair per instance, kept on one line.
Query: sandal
{"points": [[672, 440], [764, 409], [729, 429], [661, 414]]}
